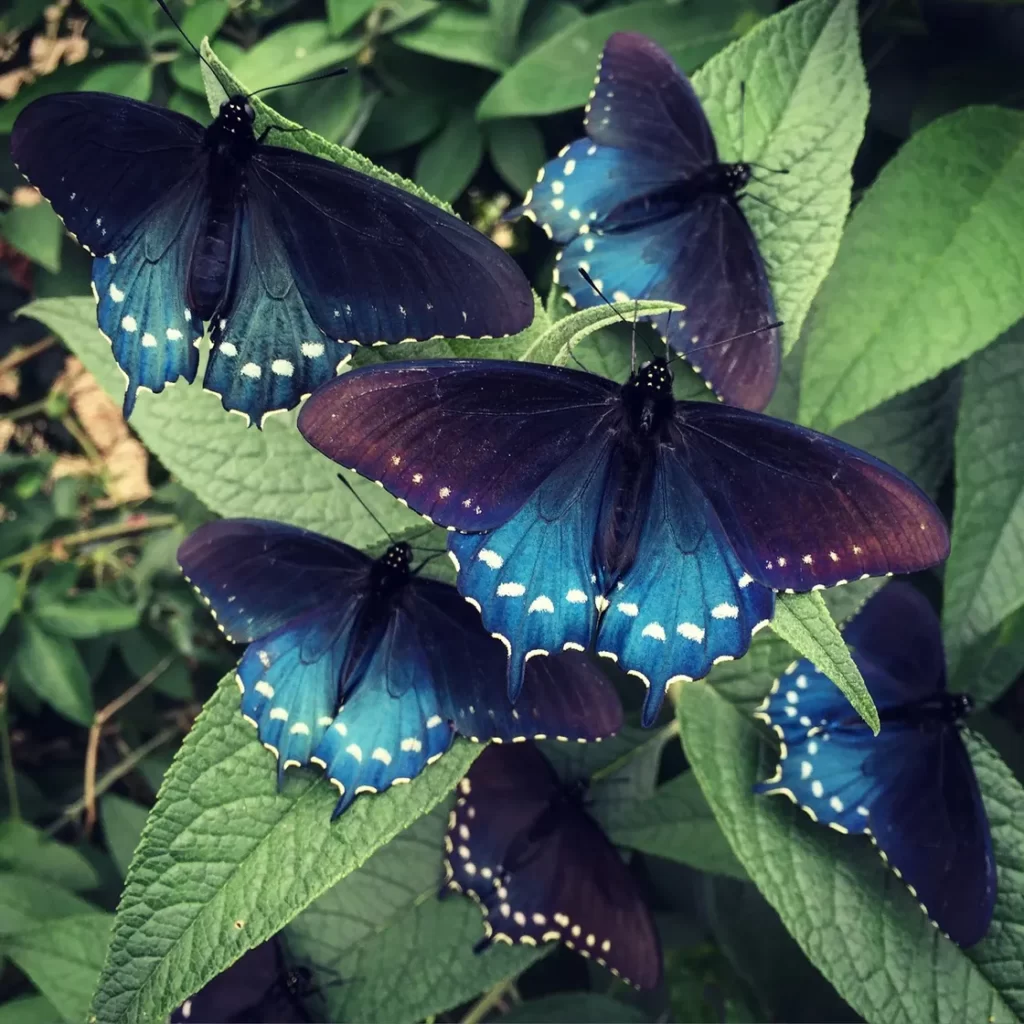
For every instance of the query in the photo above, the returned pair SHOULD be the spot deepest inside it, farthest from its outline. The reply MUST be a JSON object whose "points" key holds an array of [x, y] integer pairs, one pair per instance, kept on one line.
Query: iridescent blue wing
{"points": [[103, 161], [542, 870], [643, 102], [705, 258], [686, 602], [446, 436], [128, 179], [802, 510], [268, 351], [376, 263], [585, 183], [257, 575], [912, 788]]}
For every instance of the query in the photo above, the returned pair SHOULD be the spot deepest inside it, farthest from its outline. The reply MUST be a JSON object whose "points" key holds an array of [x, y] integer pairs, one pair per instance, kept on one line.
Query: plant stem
{"points": [[488, 1002], [14, 807], [22, 355], [26, 410], [40, 551]]}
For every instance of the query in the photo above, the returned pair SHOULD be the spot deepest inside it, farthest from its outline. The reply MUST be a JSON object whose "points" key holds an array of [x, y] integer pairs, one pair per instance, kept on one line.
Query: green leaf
{"points": [[989, 666], [677, 823], [398, 122], [204, 19], [296, 51], [345, 14], [88, 614], [985, 571], [123, 22], [928, 270], [52, 667], [575, 1008], [226, 860], [8, 598], [28, 1010], [803, 620], [516, 147], [64, 79], [186, 70], [385, 921], [26, 850], [123, 821], [456, 32], [507, 19], [25, 900], [881, 953], [559, 73], [330, 107], [64, 961], [446, 164], [36, 231], [126, 78], [557, 342]]}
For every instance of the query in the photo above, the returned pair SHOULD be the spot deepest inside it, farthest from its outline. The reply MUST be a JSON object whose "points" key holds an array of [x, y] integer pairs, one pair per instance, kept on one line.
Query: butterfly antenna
{"points": [[735, 337], [299, 81], [762, 200], [743, 117], [368, 510], [195, 49], [768, 170], [426, 561]]}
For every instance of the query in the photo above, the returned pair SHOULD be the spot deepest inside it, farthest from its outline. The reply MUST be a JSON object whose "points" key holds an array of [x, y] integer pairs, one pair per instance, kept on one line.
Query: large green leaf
{"points": [[446, 164], [559, 73], [63, 960], [989, 666], [26, 850], [26, 900], [929, 268], [385, 921], [296, 51], [985, 571], [53, 669], [225, 860], [516, 147], [457, 32], [849, 913], [88, 614], [35, 231], [28, 1010]]}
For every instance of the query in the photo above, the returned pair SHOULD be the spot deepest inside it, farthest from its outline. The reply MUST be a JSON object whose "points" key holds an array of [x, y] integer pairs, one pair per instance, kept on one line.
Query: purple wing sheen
{"points": [[584, 183], [464, 442], [803, 510], [103, 161], [644, 103], [686, 602], [912, 788], [258, 575], [376, 263], [706, 258], [542, 870], [268, 351]]}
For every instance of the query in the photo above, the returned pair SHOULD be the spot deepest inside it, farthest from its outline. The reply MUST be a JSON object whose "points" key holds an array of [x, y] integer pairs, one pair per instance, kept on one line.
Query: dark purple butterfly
{"points": [[293, 259], [591, 513], [366, 669], [521, 843], [647, 207], [911, 788]]}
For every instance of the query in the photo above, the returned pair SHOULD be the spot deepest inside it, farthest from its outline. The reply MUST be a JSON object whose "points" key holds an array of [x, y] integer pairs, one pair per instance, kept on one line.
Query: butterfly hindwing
{"points": [[542, 870], [257, 372], [376, 263]]}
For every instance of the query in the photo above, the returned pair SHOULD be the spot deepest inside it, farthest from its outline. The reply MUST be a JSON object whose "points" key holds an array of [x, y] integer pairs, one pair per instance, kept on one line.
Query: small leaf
{"points": [[516, 147], [186, 71], [35, 231], [52, 667], [296, 51], [985, 571], [559, 73], [25, 900], [345, 14], [507, 18], [457, 33], [989, 666], [928, 270], [28, 1010], [123, 821], [803, 620], [204, 19], [63, 961], [8, 598], [26, 850], [91, 613], [398, 122], [226, 860], [126, 78], [881, 953], [446, 164], [124, 22], [385, 921], [557, 342]]}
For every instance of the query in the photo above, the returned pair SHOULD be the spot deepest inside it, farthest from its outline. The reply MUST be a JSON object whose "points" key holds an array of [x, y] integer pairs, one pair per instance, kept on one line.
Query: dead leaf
{"points": [[10, 384], [7, 429]]}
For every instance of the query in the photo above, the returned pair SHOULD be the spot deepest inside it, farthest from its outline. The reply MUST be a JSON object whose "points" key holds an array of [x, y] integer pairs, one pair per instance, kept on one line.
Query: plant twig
{"points": [[22, 355], [488, 1002], [118, 772], [14, 807], [99, 720]]}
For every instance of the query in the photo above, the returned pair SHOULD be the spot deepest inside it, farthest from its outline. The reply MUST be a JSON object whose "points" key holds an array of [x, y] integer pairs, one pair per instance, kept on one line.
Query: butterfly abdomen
{"points": [[209, 271]]}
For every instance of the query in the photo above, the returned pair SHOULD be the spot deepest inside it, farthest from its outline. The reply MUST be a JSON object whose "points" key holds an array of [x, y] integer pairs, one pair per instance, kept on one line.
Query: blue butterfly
{"points": [[293, 259], [364, 668], [591, 513], [647, 207], [912, 788], [521, 844]]}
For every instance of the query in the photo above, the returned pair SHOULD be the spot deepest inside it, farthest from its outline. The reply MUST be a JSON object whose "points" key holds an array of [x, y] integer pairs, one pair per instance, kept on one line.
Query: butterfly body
{"points": [[292, 259]]}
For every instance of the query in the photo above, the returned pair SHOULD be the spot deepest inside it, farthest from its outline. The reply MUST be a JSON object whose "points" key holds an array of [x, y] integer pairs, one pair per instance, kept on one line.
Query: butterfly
{"points": [[647, 207], [912, 788], [293, 259], [521, 843], [589, 513], [366, 669], [260, 986]]}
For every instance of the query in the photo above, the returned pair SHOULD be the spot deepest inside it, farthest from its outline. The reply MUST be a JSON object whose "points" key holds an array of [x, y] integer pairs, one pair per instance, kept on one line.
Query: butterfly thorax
{"points": [[939, 710], [230, 143], [566, 800]]}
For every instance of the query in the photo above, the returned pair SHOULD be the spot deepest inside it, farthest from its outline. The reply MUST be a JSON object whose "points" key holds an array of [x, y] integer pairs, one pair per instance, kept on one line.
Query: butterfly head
{"points": [[734, 177], [231, 134], [647, 396], [396, 560]]}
